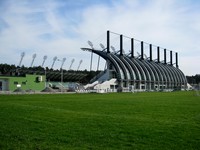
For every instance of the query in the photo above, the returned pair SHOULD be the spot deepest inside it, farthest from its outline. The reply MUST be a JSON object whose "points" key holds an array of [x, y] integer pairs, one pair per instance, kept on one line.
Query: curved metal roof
{"points": [[143, 70]]}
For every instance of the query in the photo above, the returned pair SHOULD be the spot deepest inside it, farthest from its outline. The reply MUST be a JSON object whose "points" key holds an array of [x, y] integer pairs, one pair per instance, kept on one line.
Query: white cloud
{"points": [[48, 28], [169, 25]]}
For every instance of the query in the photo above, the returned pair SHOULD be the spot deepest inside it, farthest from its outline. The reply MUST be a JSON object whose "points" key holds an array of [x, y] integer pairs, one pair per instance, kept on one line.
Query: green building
{"points": [[29, 82]]}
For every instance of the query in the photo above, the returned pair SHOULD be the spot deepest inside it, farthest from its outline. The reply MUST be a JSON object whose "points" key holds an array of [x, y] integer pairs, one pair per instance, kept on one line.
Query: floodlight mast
{"points": [[61, 78], [63, 61], [44, 59], [145, 56], [34, 56], [22, 56], [54, 60], [71, 63], [102, 46], [138, 55], [113, 49], [91, 45], [80, 62]]}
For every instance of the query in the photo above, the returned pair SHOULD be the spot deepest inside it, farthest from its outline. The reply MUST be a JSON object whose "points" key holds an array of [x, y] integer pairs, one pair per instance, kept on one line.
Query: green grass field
{"points": [[100, 121]]}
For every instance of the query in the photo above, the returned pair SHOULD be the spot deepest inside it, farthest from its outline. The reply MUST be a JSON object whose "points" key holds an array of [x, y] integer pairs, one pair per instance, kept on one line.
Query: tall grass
{"points": [[100, 121]]}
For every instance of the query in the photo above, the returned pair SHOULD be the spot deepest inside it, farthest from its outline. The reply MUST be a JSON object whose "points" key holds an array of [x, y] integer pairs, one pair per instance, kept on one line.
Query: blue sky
{"points": [[61, 27]]}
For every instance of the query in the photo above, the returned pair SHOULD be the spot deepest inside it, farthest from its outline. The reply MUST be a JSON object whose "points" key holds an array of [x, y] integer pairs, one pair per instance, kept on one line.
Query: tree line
{"points": [[12, 70], [193, 79]]}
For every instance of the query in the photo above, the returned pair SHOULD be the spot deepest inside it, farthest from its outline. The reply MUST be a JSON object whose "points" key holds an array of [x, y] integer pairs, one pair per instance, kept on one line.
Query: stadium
{"points": [[127, 72], [124, 72]]}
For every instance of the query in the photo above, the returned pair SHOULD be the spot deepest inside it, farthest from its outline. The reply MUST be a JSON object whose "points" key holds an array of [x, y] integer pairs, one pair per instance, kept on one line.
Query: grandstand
{"points": [[127, 72], [24, 79], [124, 71]]}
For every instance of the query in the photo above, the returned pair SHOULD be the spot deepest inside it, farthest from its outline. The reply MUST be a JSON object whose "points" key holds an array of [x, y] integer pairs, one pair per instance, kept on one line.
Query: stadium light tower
{"points": [[138, 55], [102, 46], [34, 56], [44, 59], [145, 56], [113, 48], [91, 45], [71, 63], [80, 62], [54, 60], [61, 70], [63, 61], [22, 56], [103, 49]]}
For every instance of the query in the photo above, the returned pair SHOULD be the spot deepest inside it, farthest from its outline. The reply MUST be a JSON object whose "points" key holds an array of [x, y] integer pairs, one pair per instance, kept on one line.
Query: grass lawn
{"points": [[100, 121]]}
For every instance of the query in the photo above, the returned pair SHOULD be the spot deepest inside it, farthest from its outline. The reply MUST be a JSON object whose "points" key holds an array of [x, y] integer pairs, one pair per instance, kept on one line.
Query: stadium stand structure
{"points": [[53, 80], [127, 72]]}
